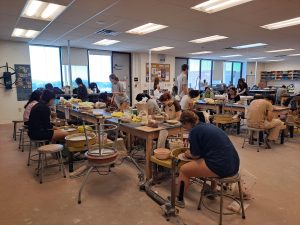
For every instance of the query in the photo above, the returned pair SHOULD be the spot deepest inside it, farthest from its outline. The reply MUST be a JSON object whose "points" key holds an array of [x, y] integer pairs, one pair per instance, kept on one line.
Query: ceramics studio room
{"points": [[157, 112]]}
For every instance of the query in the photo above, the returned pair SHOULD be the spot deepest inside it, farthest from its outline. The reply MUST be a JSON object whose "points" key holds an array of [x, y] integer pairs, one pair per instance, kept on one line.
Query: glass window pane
{"points": [[45, 66], [77, 71], [237, 71], [194, 73], [227, 73], [206, 71], [100, 69]]}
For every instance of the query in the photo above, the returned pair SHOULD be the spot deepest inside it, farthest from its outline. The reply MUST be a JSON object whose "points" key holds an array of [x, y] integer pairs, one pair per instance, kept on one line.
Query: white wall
{"points": [[12, 53], [139, 61]]}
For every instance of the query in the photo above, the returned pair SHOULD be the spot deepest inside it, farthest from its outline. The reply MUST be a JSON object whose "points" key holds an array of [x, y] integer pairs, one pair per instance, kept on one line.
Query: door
{"points": [[121, 67]]}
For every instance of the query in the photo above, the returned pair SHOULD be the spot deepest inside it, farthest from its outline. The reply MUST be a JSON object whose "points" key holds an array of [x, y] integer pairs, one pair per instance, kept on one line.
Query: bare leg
{"points": [[197, 168]]}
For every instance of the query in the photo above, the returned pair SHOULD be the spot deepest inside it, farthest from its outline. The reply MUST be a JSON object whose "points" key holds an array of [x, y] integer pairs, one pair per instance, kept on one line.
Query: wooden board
{"points": [[149, 129], [162, 71]]}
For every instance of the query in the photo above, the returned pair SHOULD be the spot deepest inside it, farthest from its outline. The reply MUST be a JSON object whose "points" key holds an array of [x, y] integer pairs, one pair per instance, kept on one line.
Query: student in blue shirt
{"points": [[214, 154]]}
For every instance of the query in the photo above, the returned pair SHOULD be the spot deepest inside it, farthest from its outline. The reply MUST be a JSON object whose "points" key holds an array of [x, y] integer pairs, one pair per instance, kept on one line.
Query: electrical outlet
{"points": [[20, 109]]}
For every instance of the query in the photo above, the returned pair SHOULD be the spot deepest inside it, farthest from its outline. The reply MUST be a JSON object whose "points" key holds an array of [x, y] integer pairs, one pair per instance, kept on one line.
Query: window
{"points": [[77, 71], [45, 66], [236, 72], [100, 69], [206, 71], [232, 72], [227, 73], [194, 74]]}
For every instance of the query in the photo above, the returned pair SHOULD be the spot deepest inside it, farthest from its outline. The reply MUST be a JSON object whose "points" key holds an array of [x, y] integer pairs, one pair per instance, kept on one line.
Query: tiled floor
{"points": [[115, 199]]}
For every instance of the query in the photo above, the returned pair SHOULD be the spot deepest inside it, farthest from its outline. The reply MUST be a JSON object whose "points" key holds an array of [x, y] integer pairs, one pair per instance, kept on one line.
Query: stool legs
{"points": [[20, 138], [43, 156], [62, 167], [221, 205], [29, 153], [83, 183], [202, 194], [241, 199], [15, 131]]}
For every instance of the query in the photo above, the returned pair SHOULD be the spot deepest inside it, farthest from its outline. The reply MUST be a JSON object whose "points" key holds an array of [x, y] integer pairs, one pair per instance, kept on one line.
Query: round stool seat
{"points": [[51, 148], [232, 179]]}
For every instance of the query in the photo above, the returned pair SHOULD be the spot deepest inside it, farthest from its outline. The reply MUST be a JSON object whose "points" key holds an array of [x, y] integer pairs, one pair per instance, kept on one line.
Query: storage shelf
{"points": [[290, 75]]}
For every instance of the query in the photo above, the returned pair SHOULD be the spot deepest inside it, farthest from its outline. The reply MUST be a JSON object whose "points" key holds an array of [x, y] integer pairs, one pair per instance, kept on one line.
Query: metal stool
{"points": [[50, 149], [222, 181], [23, 130], [37, 143], [15, 122], [260, 132]]}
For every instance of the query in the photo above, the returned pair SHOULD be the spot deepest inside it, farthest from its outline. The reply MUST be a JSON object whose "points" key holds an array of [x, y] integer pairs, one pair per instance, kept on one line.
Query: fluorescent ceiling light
{"points": [[275, 60], [106, 42], [200, 53], [294, 55], [162, 48], [146, 28], [257, 58], [42, 10], [213, 6], [22, 33], [208, 39], [282, 24], [250, 46], [282, 50], [230, 56]]}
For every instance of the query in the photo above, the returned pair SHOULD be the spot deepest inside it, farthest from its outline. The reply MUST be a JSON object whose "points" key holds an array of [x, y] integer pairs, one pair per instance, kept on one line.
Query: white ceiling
{"points": [[241, 24]]}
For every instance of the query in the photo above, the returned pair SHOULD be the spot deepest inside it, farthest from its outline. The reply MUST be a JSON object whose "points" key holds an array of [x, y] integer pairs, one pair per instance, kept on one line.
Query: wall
{"points": [[139, 61], [292, 63], [218, 71], [12, 53]]}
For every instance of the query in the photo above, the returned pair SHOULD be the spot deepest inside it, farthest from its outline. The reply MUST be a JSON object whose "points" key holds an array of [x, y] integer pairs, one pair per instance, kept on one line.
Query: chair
{"points": [[37, 143], [50, 149], [15, 123], [223, 181], [260, 131]]}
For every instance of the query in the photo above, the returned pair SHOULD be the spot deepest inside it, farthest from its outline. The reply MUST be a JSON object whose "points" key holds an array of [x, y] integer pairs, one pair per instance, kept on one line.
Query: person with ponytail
{"points": [[33, 100]]}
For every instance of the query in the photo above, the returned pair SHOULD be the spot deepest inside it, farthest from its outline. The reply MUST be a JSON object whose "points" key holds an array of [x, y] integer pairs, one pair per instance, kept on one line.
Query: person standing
{"points": [[119, 93], [182, 81], [81, 90], [242, 87]]}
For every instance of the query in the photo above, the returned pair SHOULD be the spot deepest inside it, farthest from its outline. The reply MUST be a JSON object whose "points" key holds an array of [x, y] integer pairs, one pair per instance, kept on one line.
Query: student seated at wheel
{"points": [[187, 101], [39, 125], [233, 96], [153, 107], [171, 107], [208, 93], [33, 100], [82, 92], [213, 153], [260, 115]]}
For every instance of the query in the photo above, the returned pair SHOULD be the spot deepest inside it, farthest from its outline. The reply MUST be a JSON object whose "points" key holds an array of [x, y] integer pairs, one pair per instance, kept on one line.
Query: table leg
{"points": [[71, 169], [291, 131], [238, 126], [282, 137], [148, 158]]}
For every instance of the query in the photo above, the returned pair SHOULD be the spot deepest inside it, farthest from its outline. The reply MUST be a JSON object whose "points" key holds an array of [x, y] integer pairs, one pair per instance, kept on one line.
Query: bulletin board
{"points": [[23, 84], [158, 70]]}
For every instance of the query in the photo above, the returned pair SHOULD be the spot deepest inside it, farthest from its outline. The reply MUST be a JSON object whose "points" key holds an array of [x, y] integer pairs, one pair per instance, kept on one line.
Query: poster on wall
{"points": [[162, 71], [23, 84]]}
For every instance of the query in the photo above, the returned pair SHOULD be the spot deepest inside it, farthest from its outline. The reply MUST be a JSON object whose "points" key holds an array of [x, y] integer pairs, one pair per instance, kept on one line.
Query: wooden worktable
{"points": [[132, 130], [202, 105]]}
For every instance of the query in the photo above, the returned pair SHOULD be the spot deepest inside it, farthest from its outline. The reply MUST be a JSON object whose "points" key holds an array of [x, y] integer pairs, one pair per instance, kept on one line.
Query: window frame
{"points": [[200, 67], [231, 76]]}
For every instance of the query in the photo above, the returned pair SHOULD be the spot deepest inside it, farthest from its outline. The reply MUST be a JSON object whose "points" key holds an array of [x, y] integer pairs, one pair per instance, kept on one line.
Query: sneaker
{"points": [[180, 204], [208, 193]]}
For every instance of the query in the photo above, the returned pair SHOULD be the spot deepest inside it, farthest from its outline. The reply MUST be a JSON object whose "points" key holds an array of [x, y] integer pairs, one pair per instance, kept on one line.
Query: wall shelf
{"points": [[290, 75]]}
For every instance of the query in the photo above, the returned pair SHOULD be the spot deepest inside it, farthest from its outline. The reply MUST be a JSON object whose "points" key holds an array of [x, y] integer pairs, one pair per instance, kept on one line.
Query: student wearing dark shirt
{"points": [[214, 154], [233, 96], [242, 87], [172, 107], [39, 125], [81, 90]]}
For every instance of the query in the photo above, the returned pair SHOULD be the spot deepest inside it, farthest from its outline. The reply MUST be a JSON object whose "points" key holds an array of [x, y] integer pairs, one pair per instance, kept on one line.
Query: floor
{"points": [[115, 199]]}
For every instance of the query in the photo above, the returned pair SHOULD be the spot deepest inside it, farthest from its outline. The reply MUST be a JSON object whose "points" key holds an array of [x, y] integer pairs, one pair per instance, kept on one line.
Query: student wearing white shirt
{"points": [[187, 101], [182, 81]]}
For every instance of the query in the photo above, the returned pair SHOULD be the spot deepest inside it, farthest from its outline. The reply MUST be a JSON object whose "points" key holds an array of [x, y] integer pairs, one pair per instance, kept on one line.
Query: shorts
{"points": [[41, 135]]}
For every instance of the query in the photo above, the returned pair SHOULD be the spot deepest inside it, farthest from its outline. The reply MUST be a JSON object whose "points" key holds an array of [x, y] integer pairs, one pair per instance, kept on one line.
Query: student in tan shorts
{"points": [[260, 115]]}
